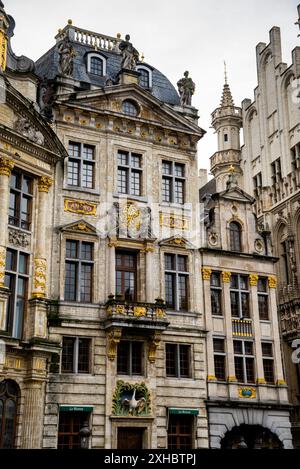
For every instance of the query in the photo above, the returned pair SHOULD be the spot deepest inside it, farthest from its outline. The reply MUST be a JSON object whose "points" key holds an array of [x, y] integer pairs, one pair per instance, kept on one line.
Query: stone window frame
{"points": [[130, 374], [130, 170], [177, 346], [177, 273], [244, 357], [76, 354], [147, 69], [79, 261], [100, 56], [173, 178]]}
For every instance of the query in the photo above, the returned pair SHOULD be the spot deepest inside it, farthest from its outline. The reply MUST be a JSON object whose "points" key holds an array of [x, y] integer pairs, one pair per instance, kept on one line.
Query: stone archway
{"points": [[250, 437]]}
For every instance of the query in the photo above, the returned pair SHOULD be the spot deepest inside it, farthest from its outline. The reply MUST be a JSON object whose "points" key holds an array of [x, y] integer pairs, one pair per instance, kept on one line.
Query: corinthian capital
{"points": [[45, 183], [6, 166]]}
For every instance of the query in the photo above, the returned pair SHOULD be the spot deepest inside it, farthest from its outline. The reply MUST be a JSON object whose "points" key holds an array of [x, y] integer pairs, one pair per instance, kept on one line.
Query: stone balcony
{"points": [[136, 315]]}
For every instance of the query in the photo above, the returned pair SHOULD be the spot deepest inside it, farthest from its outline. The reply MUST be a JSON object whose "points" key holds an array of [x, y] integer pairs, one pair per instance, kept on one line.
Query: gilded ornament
{"points": [[160, 313], [281, 382], [211, 378], [80, 207], [3, 50], [154, 343], [261, 381], [232, 379], [6, 166], [114, 338], [226, 277], [44, 184], [247, 393], [272, 282], [253, 279], [206, 273], [139, 311], [120, 309]]}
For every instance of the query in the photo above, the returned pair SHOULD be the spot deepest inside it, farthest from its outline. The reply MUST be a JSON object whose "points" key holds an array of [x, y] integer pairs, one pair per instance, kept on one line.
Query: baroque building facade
{"points": [[123, 322]]}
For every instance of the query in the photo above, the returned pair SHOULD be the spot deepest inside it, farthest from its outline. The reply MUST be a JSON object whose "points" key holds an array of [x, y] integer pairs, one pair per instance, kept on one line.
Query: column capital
{"points": [[226, 277], [154, 343], [44, 183], [272, 282], [6, 166], [206, 273], [253, 279], [114, 338]]}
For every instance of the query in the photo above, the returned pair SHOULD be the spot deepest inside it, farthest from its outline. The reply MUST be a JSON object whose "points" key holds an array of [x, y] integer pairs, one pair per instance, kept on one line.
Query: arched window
{"points": [[130, 108], [9, 391], [235, 236], [96, 64], [145, 79]]}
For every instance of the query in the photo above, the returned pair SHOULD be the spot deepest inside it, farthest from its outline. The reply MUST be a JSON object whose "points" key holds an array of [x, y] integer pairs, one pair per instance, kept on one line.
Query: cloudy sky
{"points": [[174, 35]]}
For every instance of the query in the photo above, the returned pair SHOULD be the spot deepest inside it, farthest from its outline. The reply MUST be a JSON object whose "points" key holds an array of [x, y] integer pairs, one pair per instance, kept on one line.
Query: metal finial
{"points": [[231, 169], [298, 22], [225, 73], [142, 57]]}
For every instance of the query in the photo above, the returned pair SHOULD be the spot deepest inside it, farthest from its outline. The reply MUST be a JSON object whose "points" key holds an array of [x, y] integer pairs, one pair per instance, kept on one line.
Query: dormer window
{"points": [[130, 108], [235, 236], [145, 79], [96, 64]]}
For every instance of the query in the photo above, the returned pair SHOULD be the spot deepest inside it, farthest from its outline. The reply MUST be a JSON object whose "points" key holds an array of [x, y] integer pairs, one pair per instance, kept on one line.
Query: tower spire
{"points": [[227, 99], [225, 72]]}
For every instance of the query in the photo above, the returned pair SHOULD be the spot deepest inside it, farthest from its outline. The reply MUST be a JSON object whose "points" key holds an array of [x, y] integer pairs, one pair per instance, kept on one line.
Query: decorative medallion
{"points": [[259, 246], [247, 393], [80, 207], [213, 239], [132, 400]]}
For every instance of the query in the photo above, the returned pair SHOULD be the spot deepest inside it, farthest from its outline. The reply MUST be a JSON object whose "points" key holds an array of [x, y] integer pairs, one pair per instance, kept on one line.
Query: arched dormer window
{"points": [[130, 108], [235, 236], [96, 64], [9, 392], [145, 79]]}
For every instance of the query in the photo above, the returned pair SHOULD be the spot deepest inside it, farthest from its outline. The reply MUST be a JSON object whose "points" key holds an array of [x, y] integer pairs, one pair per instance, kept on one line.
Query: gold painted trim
{"points": [[83, 207]]}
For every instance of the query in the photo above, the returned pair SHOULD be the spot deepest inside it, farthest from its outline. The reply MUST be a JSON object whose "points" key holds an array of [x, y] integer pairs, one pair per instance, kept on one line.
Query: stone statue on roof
{"points": [[130, 55], [186, 89], [66, 57]]}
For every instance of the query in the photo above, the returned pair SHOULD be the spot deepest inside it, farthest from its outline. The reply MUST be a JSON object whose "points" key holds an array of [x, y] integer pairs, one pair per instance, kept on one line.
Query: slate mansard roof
{"points": [[47, 67]]}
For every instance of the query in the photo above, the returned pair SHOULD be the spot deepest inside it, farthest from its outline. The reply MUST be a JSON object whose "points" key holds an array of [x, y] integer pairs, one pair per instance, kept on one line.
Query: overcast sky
{"points": [[174, 35]]}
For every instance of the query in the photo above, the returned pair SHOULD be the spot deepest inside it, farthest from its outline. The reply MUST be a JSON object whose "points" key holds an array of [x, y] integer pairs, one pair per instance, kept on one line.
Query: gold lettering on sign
{"points": [[174, 222], [80, 207]]}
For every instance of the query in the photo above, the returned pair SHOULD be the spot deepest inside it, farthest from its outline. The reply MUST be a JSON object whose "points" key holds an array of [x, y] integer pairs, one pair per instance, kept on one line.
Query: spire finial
{"points": [[298, 22], [225, 73]]}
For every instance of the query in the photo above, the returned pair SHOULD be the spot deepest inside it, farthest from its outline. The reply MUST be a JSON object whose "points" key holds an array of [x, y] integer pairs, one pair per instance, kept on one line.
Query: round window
{"points": [[130, 108]]}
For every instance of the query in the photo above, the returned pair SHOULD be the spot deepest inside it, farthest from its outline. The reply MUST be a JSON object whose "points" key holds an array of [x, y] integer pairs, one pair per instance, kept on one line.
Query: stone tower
{"points": [[227, 122]]}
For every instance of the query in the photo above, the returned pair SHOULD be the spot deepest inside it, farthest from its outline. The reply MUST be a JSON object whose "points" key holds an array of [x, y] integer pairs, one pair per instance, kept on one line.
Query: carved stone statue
{"points": [[130, 55], [66, 57], [186, 88], [24, 127]]}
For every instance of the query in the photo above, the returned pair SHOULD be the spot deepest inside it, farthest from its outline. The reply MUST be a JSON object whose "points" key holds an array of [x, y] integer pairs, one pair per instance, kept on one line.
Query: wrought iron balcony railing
{"points": [[242, 327]]}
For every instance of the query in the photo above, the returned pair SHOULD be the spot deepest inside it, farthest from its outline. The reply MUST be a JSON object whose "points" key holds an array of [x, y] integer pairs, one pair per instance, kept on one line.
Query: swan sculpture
{"points": [[133, 404]]}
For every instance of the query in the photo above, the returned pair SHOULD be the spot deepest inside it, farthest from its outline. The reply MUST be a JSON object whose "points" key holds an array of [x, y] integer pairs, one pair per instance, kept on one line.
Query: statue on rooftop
{"points": [[66, 57], [186, 88], [130, 55]]}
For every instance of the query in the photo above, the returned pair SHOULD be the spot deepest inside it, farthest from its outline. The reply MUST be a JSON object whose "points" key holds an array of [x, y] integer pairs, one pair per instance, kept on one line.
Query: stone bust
{"points": [[186, 89]]}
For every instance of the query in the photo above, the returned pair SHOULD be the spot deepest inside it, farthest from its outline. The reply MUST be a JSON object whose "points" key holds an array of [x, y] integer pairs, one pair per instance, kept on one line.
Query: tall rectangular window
{"points": [[126, 275], [129, 173], [79, 271], [20, 200], [263, 299], [178, 360], [75, 355], [180, 432], [16, 280], [220, 359], [81, 165], [295, 155], [173, 182], [268, 362], [216, 294], [176, 281], [130, 358], [276, 172], [244, 361], [239, 295], [257, 183]]}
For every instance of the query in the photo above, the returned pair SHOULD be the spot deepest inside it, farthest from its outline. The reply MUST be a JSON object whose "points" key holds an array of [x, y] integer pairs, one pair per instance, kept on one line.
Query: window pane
{"points": [[88, 175], [11, 260], [243, 282], [239, 369], [67, 359], [27, 185], [123, 357], [86, 275], [262, 285], [269, 371], [130, 109], [219, 345], [184, 360], [248, 348], [136, 161], [245, 305], [250, 370], [74, 150], [179, 170], [73, 173], [267, 349], [15, 181], [96, 66], [167, 189], [183, 292], [170, 290], [179, 192], [144, 78], [216, 303], [23, 263], [88, 152], [215, 279], [220, 369], [72, 249], [136, 183], [238, 347], [9, 427], [122, 158], [234, 281], [235, 308], [83, 355], [263, 306], [182, 263], [235, 236], [71, 281], [171, 360], [136, 358], [170, 261], [167, 167], [122, 181], [87, 251]]}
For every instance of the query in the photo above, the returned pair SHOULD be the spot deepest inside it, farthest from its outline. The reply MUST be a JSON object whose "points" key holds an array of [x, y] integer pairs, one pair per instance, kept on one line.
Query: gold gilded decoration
{"points": [[6, 166], [272, 282], [139, 311], [253, 279], [3, 50], [44, 184], [232, 379], [206, 273], [154, 343], [131, 218], [211, 378], [174, 222], [2, 265], [120, 309], [80, 207], [113, 243], [39, 279], [261, 381], [226, 277], [281, 382], [247, 393], [114, 338], [160, 313]]}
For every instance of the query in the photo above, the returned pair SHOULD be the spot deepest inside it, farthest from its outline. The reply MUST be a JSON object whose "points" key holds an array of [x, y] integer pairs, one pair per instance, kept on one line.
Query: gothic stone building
{"points": [[122, 316], [271, 166]]}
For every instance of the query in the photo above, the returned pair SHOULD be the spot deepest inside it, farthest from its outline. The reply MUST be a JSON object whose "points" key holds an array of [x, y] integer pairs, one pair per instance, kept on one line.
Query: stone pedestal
{"points": [[128, 77]]}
